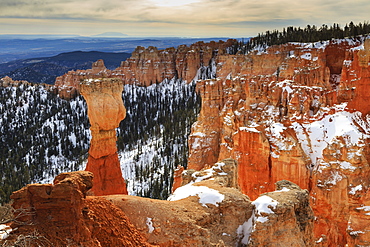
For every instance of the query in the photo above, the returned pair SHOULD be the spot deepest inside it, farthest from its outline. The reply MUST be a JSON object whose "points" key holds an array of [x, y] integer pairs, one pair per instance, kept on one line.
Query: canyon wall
{"points": [[105, 111], [150, 65], [60, 214], [208, 210], [297, 112]]}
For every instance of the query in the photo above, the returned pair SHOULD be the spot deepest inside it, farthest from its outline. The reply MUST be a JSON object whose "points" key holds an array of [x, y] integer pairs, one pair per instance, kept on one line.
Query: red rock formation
{"points": [[62, 215], [9, 82], [277, 114], [147, 66], [218, 214], [231, 221], [105, 112], [354, 82], [68, 85], [177, 178], [283, 216]]}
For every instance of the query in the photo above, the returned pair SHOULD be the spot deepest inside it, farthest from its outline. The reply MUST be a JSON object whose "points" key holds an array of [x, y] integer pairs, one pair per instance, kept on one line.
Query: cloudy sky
{"points": [[184, 18]]}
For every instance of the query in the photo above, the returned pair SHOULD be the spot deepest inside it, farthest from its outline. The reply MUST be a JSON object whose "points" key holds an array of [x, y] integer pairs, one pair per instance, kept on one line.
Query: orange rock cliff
{"points": [[207, 211], [60, 214], [105, 111], [149, 65], [296, 112]]}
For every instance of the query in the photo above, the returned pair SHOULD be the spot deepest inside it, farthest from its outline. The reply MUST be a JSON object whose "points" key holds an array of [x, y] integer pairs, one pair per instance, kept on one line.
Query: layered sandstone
{"points": [[68, 85], [283, 216], [9, 82], [295, 112], [150, 65], [61, 215], [105, 112], [207, 210]]}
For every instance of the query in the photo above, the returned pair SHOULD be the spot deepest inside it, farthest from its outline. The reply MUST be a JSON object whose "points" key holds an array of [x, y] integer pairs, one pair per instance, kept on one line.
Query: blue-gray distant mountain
{"points": [[15, 47], [46, 69], [111, 34]]}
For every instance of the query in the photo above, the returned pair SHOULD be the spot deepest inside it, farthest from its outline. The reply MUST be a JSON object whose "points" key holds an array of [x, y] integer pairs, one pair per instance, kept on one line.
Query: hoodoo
{"points": [[105, 111], [297, 112]]}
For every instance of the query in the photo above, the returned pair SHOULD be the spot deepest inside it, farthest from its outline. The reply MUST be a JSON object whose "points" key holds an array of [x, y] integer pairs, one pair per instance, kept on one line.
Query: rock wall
{"points": [[105, 112], [61, 215], [283, 216], [9, 82], [296, 112], [206, 211], [149, 65]]}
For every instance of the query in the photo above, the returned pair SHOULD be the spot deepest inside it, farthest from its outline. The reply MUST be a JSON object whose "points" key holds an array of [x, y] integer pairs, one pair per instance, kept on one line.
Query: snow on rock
{"points": [[200, 134], [347, 166], [264, 204], [307, 56], [279, 141], [209, 173], [316, 136], [206, 195], [334, 178], [5, 230], [249, 129], [284, 189], [149, 223], [244, 230], [365, 209], [355, 189]]}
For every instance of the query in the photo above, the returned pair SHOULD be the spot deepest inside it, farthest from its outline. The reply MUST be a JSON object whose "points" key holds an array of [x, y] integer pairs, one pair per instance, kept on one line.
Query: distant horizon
{"points": [[98, 35], [180, 18]]}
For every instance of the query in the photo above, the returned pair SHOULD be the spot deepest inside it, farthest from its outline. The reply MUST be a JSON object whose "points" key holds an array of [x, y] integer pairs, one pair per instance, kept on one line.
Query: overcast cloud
{"points": [[235, 18]]}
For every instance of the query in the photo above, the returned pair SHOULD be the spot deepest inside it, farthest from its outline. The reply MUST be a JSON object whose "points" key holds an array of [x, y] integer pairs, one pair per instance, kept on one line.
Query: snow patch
{"points": [[364, 208], [149, 223], [284, 189], [347, 166], [264, 204], [307, 56], [73, 139], [249, 129], [5, 231], [244, 231], [206, 195], [355, 189]]}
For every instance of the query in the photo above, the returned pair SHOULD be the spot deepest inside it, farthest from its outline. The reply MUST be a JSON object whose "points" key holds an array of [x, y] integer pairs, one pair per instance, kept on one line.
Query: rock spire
{"points": [[105, 112]]}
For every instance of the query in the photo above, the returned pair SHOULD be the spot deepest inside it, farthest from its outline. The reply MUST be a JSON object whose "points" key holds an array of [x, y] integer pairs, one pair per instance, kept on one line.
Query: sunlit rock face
{"points": [[68, 85], [105, 112], [63, 215], [296, 112], [150, 65], [207, 209]]}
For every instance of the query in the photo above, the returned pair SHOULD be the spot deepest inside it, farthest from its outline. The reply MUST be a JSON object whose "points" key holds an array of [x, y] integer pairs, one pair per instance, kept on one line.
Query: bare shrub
{"points": [[29, 240], [6, 214], [9, 214]]}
